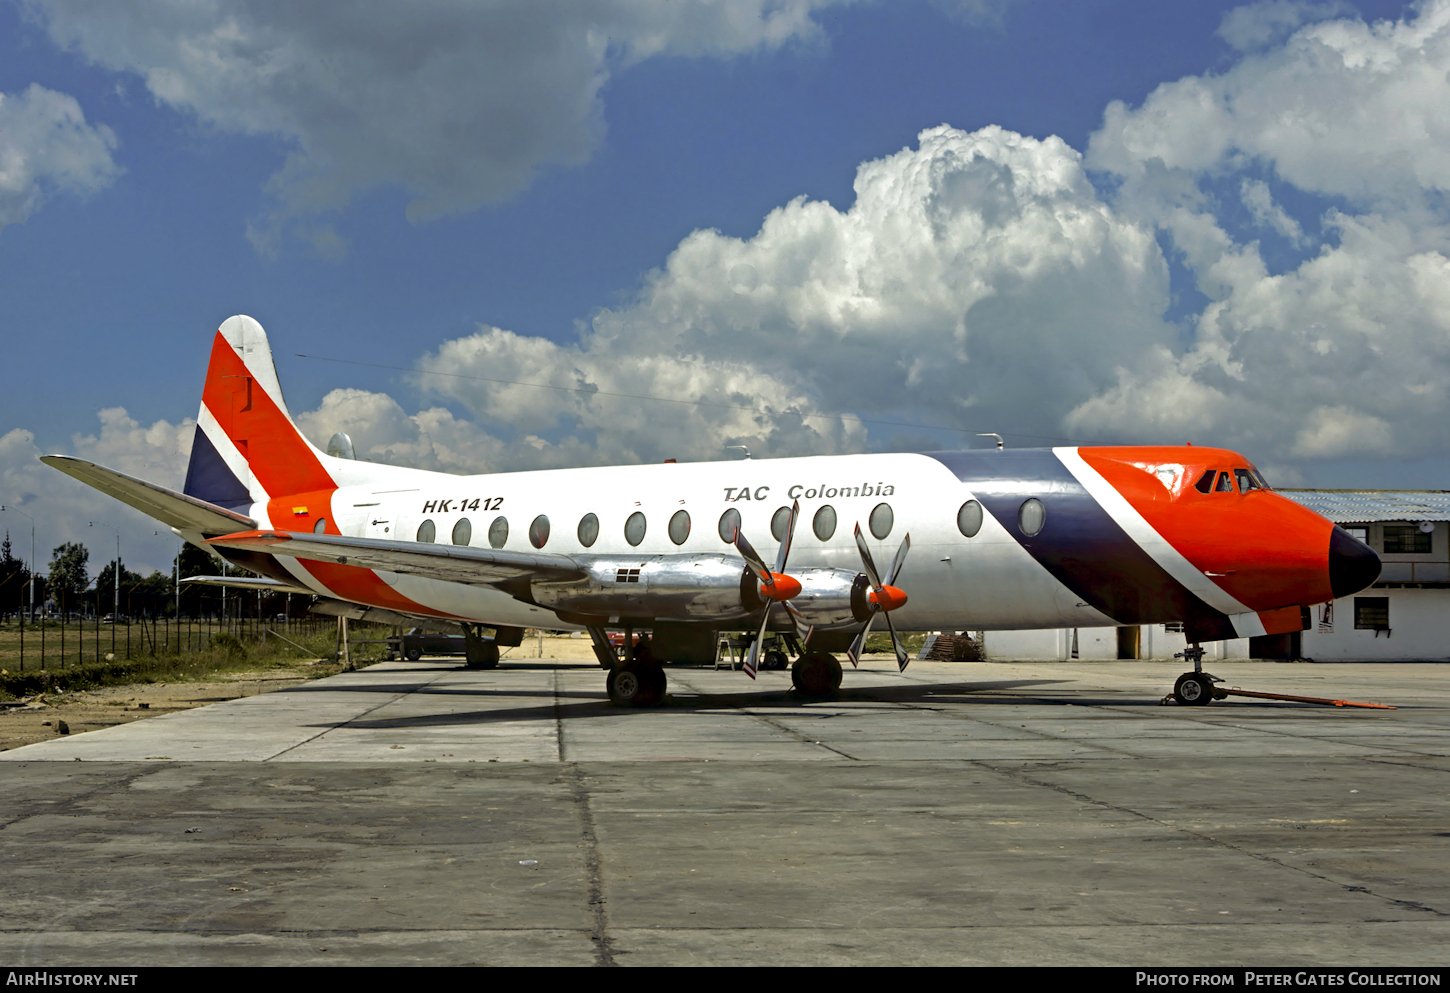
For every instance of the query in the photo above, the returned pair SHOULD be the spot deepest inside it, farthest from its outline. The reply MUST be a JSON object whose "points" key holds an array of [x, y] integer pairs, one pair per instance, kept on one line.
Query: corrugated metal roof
{"points": [[1369, 506]]}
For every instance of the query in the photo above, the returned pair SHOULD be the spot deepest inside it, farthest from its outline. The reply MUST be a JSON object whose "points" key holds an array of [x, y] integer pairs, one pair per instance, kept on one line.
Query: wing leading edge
{"points": [[448, 563]]}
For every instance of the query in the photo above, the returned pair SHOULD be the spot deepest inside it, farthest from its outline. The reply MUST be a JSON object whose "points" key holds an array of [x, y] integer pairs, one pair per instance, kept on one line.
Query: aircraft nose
{"points": [[1353, 565]]}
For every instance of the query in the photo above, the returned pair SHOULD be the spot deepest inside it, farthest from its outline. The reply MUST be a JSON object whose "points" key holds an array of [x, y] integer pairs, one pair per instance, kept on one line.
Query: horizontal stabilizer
{"points": [[449, 563], [379, 615], [185, 513], [250, 583]]}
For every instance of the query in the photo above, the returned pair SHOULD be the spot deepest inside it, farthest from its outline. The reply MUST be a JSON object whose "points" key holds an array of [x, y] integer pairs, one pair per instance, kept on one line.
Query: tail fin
{"points": [[247, 448]]}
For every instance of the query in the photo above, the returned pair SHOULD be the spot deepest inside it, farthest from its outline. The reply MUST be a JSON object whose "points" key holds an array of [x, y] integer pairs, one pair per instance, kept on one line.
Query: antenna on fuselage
{"points": [[990, 434]]}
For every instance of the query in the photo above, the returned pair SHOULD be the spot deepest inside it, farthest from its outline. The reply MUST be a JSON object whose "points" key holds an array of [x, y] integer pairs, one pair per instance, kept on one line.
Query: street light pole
{"points": [[115, 585]]}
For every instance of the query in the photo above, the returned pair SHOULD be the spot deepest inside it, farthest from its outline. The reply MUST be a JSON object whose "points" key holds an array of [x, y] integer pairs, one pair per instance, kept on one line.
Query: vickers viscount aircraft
{"points": [[998, 539]]}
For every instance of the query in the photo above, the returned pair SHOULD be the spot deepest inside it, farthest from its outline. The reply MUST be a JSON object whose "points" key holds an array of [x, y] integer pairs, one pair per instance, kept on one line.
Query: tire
{"points": [[1193, 690], [483, 656], [635, 685], [414, 655], [816, 675], [774, 660]]}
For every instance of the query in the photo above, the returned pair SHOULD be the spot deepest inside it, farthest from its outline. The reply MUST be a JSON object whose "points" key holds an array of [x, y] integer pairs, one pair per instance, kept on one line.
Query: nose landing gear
{"points": [[1195, 689]]}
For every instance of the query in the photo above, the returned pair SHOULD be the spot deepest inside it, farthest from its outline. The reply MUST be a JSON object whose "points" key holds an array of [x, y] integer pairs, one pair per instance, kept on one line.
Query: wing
{"points": [[450, 563], [185, 513], [249, 583]]}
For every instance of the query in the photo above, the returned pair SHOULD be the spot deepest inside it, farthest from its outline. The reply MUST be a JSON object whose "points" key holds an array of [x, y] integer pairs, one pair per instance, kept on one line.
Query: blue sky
{"points": [[608, 194]]}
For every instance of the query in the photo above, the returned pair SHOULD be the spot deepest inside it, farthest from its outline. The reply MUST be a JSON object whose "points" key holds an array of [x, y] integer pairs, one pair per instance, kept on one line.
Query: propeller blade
{"points": [[753, 559], [754, 654], [854, 652], [901, 657], [780, 556], [796, 620], [899, 561], [866, 560]]}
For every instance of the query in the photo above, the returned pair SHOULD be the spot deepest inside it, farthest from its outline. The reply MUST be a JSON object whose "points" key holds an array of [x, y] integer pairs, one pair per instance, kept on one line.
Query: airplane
{"points": [[1000, 539]]}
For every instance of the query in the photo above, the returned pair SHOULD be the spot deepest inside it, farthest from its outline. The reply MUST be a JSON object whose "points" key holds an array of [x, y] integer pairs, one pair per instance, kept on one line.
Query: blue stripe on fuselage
{"points": [[1080, 544]]}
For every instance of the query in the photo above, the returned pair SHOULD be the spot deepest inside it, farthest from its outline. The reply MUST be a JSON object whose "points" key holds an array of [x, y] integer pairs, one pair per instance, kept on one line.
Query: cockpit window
{"points": [[1225, 483], [1246, 480], [1205, 482]]}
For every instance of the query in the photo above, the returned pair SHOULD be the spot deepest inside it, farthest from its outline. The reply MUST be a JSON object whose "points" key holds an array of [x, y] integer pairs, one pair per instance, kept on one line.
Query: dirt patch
{"points": [[40, 718]]}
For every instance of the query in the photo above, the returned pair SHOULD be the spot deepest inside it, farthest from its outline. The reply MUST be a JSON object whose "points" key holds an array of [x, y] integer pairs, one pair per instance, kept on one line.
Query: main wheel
{"points": [[480, 655], [635, 685], [1193, 689], [816, 675]]}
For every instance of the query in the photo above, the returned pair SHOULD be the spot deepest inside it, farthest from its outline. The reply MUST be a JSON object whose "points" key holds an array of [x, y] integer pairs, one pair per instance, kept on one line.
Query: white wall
{"points": [[1419, 631], [1100, 643]]}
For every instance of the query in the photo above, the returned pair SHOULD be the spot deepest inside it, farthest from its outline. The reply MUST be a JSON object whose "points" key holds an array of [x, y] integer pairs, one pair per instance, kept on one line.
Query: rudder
{"points": [[247, 448]]}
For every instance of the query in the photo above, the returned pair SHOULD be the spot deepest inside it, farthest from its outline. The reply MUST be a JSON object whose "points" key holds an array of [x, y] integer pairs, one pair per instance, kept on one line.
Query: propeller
{"points": [[884, 598], [775, 586]]}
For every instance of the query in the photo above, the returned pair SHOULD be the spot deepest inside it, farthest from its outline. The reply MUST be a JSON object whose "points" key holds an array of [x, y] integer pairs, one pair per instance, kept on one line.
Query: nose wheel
{"points": [[1194, 689]]}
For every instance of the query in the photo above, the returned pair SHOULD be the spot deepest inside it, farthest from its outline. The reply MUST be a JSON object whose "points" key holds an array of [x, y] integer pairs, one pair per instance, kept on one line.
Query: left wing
{"points": [[450, 563]]}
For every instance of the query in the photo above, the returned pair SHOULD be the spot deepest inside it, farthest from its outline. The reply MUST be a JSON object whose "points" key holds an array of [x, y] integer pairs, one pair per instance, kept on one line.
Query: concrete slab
{"points": [[997, 813]]}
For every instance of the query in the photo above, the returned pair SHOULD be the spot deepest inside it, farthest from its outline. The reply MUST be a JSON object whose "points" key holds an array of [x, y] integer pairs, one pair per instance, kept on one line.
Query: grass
{"points": [[881, 642], [220, 653]]}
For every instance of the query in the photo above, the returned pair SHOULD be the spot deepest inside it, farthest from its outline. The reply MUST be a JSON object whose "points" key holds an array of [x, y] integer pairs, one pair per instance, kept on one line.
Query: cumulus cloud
{"points": [[1258, 25], [459, 104], [972, 271], [46, 147], [1343, 353], [1341, 108], [62, 507]]}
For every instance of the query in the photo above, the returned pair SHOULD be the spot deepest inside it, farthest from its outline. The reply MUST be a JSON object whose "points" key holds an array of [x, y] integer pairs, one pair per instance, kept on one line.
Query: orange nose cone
{"points": [[889, 597], [785, 588]]}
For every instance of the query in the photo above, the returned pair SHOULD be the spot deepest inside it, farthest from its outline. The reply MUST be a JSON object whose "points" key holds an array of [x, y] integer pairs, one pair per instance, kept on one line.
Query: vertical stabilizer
{"points": [[247, 448]]}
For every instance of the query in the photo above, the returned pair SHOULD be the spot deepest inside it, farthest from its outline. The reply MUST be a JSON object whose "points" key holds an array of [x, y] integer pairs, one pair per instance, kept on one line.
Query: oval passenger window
{"points": [[729, 524], [680, 527], [824, 523], [462, 532], [634, 528], [320, 527], [969, 519], [1031, 517], [881, 520], [539, 532], [779, 522], [428, 532], [588, 530], [498, 532]]}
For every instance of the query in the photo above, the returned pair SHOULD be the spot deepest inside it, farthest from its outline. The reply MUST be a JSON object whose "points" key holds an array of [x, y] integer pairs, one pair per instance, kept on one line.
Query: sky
{"points": [[801, 226]]}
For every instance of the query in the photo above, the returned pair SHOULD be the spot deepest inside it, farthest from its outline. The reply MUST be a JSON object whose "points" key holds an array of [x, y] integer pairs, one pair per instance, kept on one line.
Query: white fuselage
{"points": [[987, 581]]}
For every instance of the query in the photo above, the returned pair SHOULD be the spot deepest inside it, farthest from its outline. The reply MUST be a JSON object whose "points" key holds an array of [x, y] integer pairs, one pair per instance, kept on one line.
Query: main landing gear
{"points": [[1195, 689], [636, 681], [477, 653], [816, 674]]}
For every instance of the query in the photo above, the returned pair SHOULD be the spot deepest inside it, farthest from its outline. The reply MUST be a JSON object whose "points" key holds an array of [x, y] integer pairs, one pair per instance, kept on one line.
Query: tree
{"points": [[13, 579], [106, 581], [69, 573]]}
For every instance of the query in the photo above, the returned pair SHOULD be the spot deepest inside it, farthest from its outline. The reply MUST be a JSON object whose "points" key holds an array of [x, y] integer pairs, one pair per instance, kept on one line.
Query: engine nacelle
{"points": [[832, 598], [667, 587], [714, 588]]}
